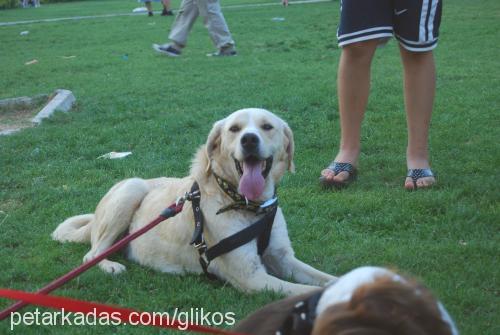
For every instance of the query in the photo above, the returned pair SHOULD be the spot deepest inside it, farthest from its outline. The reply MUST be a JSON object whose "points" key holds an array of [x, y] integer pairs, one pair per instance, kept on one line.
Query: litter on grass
{"points": [[115, 155], [24, 33], [5, 216], [140, 10], [31, 62], [278, 19], [68, 57]]}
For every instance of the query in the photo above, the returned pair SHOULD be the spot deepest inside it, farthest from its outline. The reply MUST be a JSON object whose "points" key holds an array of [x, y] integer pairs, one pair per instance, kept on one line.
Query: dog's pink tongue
{"points": [[252, 182]]}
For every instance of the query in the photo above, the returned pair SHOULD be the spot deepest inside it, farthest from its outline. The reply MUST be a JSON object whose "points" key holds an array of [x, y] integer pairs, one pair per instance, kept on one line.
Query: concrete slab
{"points": [[63, 101]]}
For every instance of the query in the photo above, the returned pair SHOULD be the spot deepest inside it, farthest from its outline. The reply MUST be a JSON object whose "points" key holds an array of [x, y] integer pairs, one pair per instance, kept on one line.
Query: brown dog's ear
{"points": [[289, 147], [213, 140]]}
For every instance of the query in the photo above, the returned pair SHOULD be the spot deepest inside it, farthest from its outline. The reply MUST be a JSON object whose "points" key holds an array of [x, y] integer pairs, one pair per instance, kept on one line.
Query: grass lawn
{"points": [[161, 109]]}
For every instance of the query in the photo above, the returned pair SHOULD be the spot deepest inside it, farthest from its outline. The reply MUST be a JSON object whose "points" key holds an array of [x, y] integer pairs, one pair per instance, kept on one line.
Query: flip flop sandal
{"points": [[336, 168], [416, 174]]}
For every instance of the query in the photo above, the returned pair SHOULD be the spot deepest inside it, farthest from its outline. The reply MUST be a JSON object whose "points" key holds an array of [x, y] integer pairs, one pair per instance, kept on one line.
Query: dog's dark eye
{"points": [[267, 126], [235, 128]]}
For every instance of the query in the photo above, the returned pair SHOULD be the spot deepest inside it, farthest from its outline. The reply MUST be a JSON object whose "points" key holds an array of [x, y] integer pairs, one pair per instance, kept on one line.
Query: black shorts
{"points": [[414, 23]]}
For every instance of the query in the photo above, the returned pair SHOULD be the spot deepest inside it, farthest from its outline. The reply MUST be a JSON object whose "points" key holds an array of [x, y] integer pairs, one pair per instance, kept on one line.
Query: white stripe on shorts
{"points": [[429, 48], [431, 20], [365, 38], [415, 43], [423, 16]]}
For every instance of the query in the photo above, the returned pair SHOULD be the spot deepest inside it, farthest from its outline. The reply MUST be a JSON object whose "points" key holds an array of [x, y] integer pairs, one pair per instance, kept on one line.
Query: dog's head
{"points": [[251, 148], [370, 302]]}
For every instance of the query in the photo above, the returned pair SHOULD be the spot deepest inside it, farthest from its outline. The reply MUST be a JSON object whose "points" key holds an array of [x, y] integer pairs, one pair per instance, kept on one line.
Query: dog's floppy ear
{"points": [[289, 147], [213, 140]]}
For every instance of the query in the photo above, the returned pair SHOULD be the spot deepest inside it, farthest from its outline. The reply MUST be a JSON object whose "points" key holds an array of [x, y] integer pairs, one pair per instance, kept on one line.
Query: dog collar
{"points": [[301, 319], [241, 202]]}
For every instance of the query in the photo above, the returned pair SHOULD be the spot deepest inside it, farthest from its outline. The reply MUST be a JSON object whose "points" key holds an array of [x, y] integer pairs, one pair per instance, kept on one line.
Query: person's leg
{"points": [[166, 8], [419, 89], [186, 17], [216, 24], [149, 7], [353, 89]]}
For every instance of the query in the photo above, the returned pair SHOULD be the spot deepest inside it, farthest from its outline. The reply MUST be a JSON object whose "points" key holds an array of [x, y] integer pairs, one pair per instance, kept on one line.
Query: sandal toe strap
{"points": [[416, 174], [337, 167]]}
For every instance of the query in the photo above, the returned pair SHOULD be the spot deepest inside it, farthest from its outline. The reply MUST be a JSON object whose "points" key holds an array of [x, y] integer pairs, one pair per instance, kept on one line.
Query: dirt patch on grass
{"points": [[14, 120], [17, 114]]}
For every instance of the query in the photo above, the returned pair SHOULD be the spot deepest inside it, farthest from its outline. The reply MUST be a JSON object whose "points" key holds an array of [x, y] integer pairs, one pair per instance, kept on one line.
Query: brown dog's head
{"points": [[385, 307], [251, 148]]}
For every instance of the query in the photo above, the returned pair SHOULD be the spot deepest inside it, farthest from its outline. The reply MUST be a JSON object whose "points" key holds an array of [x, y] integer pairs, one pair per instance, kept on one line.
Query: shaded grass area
{"points": [[161, 109]]}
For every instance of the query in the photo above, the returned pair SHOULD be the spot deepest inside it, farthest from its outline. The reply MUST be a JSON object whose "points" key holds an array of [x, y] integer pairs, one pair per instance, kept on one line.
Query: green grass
{"points": [[162, 109]]}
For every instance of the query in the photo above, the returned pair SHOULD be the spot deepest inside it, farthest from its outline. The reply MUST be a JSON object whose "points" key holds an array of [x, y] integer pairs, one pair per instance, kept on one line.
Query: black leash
{"points": [[260, 230]]}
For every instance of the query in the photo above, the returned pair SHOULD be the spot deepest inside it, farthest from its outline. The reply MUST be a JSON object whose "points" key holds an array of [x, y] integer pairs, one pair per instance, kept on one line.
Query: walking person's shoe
{"points": [[166, 12], [224, 52], [150, 13], [167, 49]]}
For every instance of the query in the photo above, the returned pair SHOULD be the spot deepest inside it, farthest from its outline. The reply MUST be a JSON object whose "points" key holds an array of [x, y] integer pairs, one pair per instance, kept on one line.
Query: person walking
{"points": [[214, 21]]}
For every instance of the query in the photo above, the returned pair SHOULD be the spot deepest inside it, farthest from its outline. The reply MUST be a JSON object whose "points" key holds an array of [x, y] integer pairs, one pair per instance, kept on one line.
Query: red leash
{"points": [[169, 212], [127, 316]]}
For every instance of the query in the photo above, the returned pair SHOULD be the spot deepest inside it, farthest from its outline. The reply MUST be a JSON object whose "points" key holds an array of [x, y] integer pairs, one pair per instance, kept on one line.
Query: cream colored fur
{"points": [[133, 203]]}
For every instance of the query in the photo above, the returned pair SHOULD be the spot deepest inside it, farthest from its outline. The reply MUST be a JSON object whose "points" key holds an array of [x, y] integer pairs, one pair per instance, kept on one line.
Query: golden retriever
{"points": [[239, 149]]}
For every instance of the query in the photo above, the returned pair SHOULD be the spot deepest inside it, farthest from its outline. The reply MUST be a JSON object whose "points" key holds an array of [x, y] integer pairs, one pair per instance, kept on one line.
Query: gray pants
{"points": [[212, 18]]}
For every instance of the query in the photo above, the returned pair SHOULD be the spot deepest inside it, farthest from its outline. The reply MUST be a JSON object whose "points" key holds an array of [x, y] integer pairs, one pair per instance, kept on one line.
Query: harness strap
{"points": [[260, 230], [198, 241]]}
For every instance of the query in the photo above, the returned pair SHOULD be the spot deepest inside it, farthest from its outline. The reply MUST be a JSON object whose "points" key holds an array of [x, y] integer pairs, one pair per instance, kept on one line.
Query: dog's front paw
{"points": [[112, 267]]}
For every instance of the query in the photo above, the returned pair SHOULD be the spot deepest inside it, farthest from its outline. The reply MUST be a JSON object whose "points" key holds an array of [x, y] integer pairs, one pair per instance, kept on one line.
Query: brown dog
{"points": [[366, 301]]}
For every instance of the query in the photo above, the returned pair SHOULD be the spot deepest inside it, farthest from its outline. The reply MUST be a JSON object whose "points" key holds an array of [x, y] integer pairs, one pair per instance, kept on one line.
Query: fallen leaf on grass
{"points": [[115, 155]]}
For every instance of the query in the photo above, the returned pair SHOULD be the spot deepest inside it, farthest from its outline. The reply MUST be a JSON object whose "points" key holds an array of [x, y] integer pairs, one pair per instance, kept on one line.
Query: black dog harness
{"points": [[261, 230]]}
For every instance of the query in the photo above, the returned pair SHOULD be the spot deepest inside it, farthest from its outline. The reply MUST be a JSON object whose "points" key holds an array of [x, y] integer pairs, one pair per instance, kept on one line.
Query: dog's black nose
{"points": [[250, 142]]}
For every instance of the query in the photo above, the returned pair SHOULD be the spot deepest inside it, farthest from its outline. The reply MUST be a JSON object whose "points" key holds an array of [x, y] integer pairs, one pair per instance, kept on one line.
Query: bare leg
{"points": [[166, 4], [166, 8], [353, 91], [419, 89], [149, 7]]}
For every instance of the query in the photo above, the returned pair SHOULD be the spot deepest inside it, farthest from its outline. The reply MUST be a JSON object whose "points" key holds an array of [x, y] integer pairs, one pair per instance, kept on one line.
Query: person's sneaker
{"points": [[167, 12], [223, 53], [167, 49], [150, 13]]}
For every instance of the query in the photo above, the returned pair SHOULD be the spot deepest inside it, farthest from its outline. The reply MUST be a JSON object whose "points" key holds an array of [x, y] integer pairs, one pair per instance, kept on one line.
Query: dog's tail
{"points": [[74, 229]]}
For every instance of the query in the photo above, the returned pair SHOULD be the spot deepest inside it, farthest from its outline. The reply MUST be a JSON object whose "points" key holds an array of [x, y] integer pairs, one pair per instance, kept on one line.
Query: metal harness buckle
{"points": [[188, 196]]}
